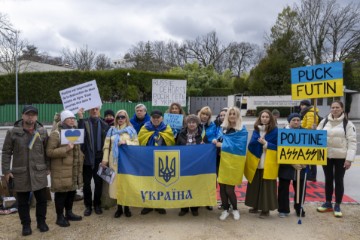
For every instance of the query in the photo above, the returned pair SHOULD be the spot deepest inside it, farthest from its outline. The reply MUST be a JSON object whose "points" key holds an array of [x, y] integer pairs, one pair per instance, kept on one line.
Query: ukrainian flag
{"points": [[271, 166], [232, 158], [167, 177]]}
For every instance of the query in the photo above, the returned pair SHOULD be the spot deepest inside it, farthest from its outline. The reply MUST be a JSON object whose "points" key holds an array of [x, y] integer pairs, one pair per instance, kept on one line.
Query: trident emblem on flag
{"points": [[165, 171], [167, 166]]}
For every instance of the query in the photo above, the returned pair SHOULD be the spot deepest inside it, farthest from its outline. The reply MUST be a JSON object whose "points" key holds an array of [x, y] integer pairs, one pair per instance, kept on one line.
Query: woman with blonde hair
{"points": [[232, 141], [121, 133], [209, 128]]}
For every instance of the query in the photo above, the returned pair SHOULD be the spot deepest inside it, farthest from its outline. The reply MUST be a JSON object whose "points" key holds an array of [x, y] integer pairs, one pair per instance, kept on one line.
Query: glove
{"points": [[297, 166]]}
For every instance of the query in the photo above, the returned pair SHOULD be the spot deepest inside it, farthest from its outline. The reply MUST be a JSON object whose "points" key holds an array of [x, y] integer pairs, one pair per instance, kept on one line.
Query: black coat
{"points": [[182, 137]]}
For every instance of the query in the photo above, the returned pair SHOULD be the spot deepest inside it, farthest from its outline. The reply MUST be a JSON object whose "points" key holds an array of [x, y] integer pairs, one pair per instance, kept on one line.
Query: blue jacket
{"points": [[137, 123]]}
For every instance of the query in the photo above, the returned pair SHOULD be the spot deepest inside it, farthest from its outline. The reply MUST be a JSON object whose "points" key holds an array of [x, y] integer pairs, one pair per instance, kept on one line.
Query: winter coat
{"points": [[307, 117], [137, 123], [211, 132], [87, 146], [29, 166], [65, 166], [109, 158], [182, 137], [338, 145]]}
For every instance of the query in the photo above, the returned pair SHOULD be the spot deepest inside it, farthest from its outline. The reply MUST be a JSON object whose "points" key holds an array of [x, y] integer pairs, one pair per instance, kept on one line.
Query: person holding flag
{"points": [[261, 167], [232, 141], [155, 133]]}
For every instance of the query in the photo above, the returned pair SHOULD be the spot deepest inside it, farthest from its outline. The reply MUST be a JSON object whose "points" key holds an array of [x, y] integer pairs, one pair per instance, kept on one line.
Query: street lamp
{"points": [[127, 85]]}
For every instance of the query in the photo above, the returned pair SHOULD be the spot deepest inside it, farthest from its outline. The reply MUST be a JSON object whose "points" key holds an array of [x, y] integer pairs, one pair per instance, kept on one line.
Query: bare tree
{"points": [[344, 31], [313, 17], [11, 46], [81, 59], [207, 50], [102, 62], [239, 57]]}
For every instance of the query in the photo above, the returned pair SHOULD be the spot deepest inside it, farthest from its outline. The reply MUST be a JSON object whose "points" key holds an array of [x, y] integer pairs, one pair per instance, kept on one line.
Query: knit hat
{"points": [[293, 115], [66, 114], [109, 111], [305, 102]]}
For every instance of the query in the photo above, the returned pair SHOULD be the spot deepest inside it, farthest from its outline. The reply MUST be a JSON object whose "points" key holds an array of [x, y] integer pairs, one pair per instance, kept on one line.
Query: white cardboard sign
{"points": [[166, 91], [85, 95]]}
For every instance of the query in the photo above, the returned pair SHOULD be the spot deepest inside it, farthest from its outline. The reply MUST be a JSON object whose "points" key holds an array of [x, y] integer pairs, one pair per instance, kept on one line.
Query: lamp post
{"points": [[16, 71]]}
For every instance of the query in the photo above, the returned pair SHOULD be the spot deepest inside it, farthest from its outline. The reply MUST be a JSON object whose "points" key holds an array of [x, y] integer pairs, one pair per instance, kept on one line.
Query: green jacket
{"points": [[29, 165]]}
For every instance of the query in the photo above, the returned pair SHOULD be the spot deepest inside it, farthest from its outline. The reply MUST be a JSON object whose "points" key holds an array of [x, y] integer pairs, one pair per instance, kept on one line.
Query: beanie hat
{"points": [[305, 102], [293, 115], [66, 114], [109, 111]]}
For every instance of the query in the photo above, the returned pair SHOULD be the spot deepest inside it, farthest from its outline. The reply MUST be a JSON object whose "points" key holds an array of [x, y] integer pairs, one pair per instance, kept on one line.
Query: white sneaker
{"points": [[224, 215], [236, 214]]}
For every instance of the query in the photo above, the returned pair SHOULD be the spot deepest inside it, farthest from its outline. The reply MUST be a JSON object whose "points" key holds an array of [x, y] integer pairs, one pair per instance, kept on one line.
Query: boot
{"points": [[127, 211], [118, 212], [70, 216], [61, 221]]}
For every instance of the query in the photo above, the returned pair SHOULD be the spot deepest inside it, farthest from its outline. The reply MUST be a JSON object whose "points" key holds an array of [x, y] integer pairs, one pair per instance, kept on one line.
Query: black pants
{"points": [[334, 170], [227, 192], [283, 195], [312, 173], [64, 200], [24, 206], [88, 174]]}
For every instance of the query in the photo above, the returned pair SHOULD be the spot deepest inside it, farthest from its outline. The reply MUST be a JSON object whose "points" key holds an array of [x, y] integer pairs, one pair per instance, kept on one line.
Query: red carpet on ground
{"points": [[315, 192]]}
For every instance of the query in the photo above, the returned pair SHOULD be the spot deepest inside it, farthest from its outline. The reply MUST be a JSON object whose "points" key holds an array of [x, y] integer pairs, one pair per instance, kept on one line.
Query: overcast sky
{"points": [[113, 26]]}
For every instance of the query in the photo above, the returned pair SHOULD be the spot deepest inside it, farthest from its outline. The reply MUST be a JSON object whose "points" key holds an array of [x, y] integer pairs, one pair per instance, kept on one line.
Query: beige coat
{"points": [[108, 155], [65, 166]]}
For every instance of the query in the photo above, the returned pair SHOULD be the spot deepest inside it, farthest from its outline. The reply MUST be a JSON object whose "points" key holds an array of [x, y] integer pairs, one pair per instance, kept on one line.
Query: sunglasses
{"points": [[120, 117]]}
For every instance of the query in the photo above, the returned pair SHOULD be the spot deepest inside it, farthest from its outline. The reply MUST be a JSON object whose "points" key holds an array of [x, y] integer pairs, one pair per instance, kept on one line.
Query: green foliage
{"points": [[114, 85]]}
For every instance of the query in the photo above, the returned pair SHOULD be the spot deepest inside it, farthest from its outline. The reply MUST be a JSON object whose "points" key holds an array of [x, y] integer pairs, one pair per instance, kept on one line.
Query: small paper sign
{"points": [[75, 136]]}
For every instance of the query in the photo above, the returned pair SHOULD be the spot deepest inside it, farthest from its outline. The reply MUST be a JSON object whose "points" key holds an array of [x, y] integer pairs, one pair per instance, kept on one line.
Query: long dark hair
{"points": [[270, 126]]}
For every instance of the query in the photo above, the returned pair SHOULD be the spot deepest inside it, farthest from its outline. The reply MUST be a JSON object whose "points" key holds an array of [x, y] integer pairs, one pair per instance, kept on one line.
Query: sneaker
{"points": [[224, 215], [337, 211], [236, 214], [326, 207], [282, 214]]}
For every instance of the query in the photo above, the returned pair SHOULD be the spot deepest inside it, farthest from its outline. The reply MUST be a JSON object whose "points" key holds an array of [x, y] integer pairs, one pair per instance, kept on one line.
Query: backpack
{"points": [[320, 118], [345, 122]]}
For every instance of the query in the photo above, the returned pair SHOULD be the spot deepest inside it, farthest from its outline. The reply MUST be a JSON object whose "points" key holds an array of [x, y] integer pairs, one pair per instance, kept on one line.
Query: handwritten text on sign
{"points": [[85, 95], [165, 92], [174, 120], [302, 146], [317, 81]]}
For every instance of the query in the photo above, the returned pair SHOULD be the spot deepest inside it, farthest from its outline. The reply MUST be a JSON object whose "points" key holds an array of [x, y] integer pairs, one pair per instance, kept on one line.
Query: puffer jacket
{"points": [[339, 145], [29, 166], [65, 166], [307, 117]]}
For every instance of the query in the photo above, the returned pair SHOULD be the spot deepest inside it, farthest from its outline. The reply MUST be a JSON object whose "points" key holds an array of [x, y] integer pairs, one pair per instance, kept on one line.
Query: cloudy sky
{"points": [[113, 26]]}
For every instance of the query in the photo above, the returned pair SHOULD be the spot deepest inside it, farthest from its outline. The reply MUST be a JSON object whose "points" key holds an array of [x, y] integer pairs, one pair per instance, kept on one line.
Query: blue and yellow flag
{"points": [[232, 158], [167, 177]]}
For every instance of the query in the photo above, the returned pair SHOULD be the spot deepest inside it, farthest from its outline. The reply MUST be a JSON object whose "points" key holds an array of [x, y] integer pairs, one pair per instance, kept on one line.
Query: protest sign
{"points": [[75, 136], [165, 92], [85, 95], [302, 146], [174, 120], [317, 81]]}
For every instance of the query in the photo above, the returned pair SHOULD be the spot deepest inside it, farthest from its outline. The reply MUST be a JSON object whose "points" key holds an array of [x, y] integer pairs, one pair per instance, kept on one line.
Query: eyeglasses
{"points": [[120, 117]]}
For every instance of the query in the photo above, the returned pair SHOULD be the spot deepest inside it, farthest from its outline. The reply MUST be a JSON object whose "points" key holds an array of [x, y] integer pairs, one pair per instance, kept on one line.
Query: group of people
{"points": [[72, 166]]}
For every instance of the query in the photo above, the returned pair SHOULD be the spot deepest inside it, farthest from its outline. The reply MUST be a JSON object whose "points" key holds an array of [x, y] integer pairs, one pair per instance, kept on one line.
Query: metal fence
{"points": [[47, 111]]}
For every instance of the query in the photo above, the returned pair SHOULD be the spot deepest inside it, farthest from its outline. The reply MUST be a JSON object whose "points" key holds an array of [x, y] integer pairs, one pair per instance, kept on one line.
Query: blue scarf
{"points": [[151, 128], [117, 132]]}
